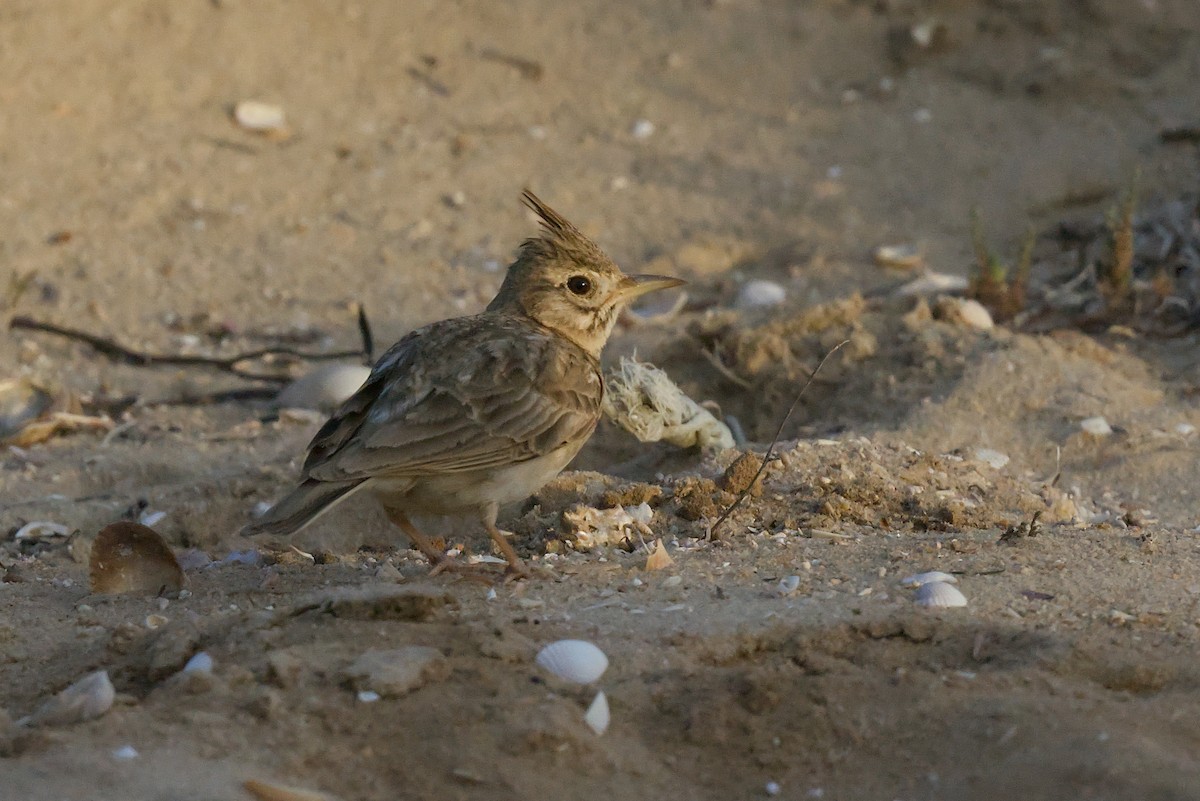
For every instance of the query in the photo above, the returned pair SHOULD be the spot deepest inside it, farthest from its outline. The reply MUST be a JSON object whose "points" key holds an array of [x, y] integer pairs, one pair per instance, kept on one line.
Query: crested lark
{"points": [[470, 413]]}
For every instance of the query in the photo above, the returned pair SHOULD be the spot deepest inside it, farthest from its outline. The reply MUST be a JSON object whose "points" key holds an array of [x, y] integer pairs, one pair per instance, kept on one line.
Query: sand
{"points": [[723, 142]]}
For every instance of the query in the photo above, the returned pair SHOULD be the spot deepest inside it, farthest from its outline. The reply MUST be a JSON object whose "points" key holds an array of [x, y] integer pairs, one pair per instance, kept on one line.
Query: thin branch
{"points": [[774, 440], [229, 364]]}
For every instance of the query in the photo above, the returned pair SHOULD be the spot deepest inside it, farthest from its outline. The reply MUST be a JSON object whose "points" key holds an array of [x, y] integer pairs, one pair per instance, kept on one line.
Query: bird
{"points": [[470, 413]]}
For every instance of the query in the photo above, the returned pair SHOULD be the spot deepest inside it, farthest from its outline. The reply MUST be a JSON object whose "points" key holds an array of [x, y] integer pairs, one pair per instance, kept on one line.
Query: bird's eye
{"points": [[579, 284]]}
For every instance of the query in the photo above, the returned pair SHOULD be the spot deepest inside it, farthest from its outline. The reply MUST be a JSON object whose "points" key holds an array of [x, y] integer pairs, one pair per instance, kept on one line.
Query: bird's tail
{"points": [[302, 506]]}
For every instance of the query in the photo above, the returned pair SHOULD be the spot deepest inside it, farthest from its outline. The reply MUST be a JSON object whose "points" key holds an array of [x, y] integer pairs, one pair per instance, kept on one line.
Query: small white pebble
{"points": [[773, 788], [672, 581], [125, 752], [834, 172], [491, 594], [254, 115], [760, 294], [922, 115], [1096, 426], [537, 132], [1185, 429], [151, 518], [637, 582], [368, 696], [199, 663], [642, 129], [787, 585]]}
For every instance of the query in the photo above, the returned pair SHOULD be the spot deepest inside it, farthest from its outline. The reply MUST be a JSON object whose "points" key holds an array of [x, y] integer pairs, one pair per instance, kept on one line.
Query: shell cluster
{"points": [[580, 662]]}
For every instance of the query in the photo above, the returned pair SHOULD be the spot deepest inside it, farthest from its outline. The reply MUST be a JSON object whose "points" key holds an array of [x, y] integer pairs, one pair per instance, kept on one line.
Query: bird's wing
{"points": [[459, 395]]}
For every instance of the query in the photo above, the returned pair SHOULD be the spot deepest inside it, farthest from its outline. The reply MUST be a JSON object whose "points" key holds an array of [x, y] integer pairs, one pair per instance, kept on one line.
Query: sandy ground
{"points": [[719, 141]]}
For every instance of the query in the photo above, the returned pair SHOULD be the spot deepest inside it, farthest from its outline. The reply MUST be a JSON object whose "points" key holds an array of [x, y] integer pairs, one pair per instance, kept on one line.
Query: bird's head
{"points": [[562, 280]]}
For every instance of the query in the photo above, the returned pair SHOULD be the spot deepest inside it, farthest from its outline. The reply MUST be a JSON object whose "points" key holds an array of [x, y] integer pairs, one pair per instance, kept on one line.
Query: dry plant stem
{"points": [[229, 364], [712, 530]]}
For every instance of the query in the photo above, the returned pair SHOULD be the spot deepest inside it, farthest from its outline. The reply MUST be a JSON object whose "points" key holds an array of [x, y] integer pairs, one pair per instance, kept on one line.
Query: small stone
{"points": [[994, 459], [125, 753], [1096, 426], [254, 115], [396, 672], [642, 129]]}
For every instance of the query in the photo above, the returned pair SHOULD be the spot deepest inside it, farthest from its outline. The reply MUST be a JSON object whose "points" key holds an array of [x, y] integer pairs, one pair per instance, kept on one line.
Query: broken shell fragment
{"points": [[20, 403], [325, 388], [659, 559], [88, 698], [1096, 426], [40, 530], [131, 558], [931, 283], [200, 662], [964, 312], [269, 791], [939, 594], [597, 715], [898, 257], [576, 661], [921, 579], [787, 585]]}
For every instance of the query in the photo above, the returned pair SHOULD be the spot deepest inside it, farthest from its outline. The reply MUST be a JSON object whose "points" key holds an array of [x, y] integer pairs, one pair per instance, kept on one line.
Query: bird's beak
{"points": [[634, 286]]}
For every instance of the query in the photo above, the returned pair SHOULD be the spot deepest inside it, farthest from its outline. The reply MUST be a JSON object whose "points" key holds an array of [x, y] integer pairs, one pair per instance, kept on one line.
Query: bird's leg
{"points": [[424, 545], [516, 567]]}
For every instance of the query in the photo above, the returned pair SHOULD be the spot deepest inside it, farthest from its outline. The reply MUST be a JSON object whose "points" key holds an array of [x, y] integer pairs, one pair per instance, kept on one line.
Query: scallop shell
{"points": [[325, 388], [788, 585], [20, 403], [939, 594], [927, 578], [129, 557], [597, 715], [576, 661], [88, 698]]}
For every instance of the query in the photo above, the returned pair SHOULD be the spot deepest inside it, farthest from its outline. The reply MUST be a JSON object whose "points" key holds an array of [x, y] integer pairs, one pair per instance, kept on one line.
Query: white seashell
{"points": [[965, 312], [125, 753], [368, 696], [597, 715], [932, 283], [787, 585], [156, 621], [576, 661], [1185, 429], [254, 115], [991, 458], [325, 388], [927, 578], [151, 518], [40, 530], [939, 594], [1096, 426], [88, 698], [642, 129], [901, 257], [199, 663], [759, 294]]}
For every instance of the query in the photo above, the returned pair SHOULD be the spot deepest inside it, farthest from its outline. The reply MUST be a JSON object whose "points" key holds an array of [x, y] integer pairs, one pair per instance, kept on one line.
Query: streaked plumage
{"points": [[470, 413]]}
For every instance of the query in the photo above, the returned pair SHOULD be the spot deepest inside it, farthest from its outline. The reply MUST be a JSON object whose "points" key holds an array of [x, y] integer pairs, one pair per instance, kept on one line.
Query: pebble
{"points": [[642, 129], [125, 752], [992, 458], [254, 115], [398, 671], [1096, 426], [759, 294]]}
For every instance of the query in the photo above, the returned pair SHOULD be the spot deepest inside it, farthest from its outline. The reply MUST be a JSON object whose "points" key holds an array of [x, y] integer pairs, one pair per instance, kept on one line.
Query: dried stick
{"points": [[774, 440], [229, 364]]}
